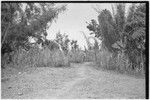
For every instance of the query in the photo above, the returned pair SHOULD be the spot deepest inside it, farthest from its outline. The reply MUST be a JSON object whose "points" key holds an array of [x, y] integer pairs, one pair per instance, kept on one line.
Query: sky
{"points": [[73, 21]]}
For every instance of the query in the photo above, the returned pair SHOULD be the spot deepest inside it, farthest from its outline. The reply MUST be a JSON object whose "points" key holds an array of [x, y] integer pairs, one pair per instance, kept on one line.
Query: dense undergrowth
{"points": [[119, 62], [36, 57]]}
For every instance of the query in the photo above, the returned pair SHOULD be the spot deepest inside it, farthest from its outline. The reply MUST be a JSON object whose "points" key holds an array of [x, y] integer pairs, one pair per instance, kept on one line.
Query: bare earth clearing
{"points": [[75, 82]]}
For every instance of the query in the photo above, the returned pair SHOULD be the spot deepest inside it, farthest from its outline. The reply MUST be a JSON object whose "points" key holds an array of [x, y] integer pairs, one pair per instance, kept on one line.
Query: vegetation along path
{"points": [[78, 81]]}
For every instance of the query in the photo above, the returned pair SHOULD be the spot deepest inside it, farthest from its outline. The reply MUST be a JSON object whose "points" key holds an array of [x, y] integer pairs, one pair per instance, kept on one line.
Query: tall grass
{"points": [[40, 58], [90, 56], [103, 58], [119, 62], [76, 56], [36, 57]]}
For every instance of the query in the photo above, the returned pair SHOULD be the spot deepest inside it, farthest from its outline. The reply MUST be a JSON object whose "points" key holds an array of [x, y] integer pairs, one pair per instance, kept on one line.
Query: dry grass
{"points": [[119, 63], [76, 56], [36, 57], [106, 60], [90, 56], [103, 58]]}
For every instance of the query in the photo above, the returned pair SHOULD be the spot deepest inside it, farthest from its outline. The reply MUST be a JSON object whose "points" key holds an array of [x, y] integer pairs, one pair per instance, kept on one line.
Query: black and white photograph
{"points": [[74, 50]]}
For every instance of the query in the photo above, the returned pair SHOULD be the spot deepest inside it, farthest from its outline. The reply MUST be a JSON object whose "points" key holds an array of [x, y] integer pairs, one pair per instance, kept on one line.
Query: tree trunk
{"points": [[5, 34]]}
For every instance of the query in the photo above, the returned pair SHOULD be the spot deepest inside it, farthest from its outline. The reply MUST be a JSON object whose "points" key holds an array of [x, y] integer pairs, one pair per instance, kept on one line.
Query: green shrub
{"points": [[108, 61], [103, 58], [119, 63], [122, 62]]}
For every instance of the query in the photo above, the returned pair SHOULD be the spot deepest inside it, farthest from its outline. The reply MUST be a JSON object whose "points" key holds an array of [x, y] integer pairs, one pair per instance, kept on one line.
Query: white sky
{"points": [[74, 19]]}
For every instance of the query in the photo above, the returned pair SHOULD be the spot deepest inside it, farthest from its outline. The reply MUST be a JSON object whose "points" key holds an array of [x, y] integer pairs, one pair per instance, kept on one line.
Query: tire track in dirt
{"points": [[79, 81], [98, 84], [68, 86]]}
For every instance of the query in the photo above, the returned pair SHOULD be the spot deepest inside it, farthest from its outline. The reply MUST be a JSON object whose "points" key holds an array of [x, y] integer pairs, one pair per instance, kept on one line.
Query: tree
{"points": [[30, 22], [122, 33], [136, 35], [94, 47], [74, 45], [52, 45], [87, 41], [63, 40], [19, 24]]}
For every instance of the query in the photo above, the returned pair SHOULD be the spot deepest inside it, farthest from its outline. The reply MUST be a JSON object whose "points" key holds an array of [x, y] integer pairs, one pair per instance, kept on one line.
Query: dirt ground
{"points": [[79, 81]]}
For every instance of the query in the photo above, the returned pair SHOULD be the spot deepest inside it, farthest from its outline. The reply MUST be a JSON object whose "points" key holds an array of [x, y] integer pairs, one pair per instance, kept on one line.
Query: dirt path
{"points": [[75, 82]]}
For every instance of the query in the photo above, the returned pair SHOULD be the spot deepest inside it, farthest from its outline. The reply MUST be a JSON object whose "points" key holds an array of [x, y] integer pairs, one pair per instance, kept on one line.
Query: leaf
{"points": [[115, 45], [87, 40], [138, 33], [118, 45], [96, 45]]}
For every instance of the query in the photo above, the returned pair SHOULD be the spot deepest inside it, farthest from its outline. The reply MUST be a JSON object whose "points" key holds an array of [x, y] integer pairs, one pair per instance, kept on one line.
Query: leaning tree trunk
{"points": [[5, 34]]}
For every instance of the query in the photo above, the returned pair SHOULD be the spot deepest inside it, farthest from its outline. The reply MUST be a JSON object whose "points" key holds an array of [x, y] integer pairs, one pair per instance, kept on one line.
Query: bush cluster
{"points": [[118, 62], [36, 57]]}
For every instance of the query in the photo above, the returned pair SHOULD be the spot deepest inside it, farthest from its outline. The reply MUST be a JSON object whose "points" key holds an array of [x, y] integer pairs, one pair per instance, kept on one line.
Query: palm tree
{"points": [[120, 32], [87, 40], [90, 47]]}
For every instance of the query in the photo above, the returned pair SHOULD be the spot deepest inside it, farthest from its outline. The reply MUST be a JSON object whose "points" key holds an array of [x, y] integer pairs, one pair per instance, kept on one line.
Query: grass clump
{"points": [[90, 56], [36, 57], [118, 62], [102, 59], [59, 59], [76, 56]]}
